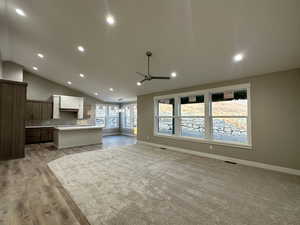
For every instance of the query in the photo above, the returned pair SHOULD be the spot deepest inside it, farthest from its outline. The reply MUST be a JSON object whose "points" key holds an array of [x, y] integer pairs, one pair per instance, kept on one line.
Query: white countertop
{"points": [[76, 127], [40, 126]]}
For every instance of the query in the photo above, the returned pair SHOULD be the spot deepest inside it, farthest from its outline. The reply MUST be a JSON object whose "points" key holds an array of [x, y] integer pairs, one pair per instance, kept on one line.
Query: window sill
{"points": [[205, 141]]}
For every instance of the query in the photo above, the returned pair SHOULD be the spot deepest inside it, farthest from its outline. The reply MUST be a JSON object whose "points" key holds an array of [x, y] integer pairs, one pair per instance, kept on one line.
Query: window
{"points": [[129, 116], [192, 116], [216, 115], [230, 116], [101, 115], [134, 116], [128, 123], [113, 116], [165, 120]]}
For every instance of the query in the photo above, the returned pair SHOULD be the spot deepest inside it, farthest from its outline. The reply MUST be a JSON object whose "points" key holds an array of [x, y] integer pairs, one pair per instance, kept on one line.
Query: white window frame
{"points": [[131, 118], [108, 117], [208, 116], [180, 117], [156, 116], [105, 116]]}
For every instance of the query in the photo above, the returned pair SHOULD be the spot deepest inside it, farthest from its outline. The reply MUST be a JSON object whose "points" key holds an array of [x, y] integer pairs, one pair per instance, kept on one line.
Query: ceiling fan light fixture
{"points": [[173, 74], [138, 83]]}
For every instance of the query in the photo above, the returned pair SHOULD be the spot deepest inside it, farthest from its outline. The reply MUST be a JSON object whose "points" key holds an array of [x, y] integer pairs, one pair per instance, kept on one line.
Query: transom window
{"points": [[216, 115]]}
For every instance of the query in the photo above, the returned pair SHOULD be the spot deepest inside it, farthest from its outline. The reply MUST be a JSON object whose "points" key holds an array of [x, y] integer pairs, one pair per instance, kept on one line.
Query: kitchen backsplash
{"points": [[59, 122]]}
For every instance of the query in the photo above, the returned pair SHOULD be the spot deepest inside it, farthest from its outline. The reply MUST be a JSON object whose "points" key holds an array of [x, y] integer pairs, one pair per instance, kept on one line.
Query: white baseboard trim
{"points": [[225, 158], [111, 134], [130, 135]]}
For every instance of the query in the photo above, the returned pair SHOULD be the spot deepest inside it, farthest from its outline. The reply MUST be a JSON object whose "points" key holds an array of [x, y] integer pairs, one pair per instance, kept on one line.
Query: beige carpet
{"points": [[139, 185]]}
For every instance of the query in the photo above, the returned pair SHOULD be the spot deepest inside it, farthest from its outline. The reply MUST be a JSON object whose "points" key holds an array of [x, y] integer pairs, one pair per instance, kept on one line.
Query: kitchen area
{"points": [[36, 110], [65, 121]]}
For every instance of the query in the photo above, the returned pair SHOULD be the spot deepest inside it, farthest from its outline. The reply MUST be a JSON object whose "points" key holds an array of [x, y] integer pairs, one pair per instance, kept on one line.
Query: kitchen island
{"points": [[74, 136]]}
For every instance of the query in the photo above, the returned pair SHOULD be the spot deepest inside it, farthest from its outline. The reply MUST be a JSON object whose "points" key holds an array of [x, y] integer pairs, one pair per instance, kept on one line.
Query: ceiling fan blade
{"points": [[160, 78], [142, 81], [141, 74]]}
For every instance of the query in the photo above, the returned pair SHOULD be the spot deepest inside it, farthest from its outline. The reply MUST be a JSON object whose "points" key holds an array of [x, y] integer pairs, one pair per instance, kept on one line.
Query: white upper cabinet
{"points": [[62, 102], [56, 114], [70, 102], [80, 109]]}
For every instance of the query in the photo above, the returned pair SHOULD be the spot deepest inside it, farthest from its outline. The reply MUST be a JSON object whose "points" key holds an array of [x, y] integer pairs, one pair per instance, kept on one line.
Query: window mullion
{"points": [[177, 116], [208, 116]]}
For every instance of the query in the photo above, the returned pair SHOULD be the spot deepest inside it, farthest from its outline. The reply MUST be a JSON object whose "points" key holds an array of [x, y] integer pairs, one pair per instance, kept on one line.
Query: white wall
{"points": [[12, 71]]}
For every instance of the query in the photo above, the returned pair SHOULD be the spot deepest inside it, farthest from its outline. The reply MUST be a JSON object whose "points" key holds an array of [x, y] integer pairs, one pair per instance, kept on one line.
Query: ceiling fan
{"points": [[148, 76]]}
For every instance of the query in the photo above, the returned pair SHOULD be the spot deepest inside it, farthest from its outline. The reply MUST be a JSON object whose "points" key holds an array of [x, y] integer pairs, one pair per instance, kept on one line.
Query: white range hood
{"points": [[67, 103]]}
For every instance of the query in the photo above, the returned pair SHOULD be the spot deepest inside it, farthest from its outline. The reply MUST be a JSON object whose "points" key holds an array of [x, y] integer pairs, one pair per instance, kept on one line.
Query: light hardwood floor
{"points": [[31, 195]]}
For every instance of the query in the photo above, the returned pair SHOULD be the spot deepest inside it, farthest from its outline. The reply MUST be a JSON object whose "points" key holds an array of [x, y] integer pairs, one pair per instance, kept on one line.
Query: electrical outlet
{"points": [[210, 147]]}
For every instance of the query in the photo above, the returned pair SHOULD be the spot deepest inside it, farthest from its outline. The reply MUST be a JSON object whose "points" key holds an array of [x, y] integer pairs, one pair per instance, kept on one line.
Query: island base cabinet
{"points": [[78, 137]]}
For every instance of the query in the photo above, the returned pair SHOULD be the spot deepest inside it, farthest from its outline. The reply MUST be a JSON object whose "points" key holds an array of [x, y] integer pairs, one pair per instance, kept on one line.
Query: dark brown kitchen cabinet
{"points": [[38, 110], [46, 110], [39, 135], [46, 134], [33, 135], [12, 119]]}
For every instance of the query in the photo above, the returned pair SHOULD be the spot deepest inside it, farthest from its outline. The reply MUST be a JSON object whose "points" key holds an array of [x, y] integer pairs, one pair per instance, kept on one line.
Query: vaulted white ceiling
{"points": [[195, 38]]}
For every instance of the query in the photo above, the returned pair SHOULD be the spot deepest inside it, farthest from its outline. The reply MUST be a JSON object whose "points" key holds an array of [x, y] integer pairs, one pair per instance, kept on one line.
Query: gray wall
{"points": [[275, 108], [12, 71], [42, 89]]}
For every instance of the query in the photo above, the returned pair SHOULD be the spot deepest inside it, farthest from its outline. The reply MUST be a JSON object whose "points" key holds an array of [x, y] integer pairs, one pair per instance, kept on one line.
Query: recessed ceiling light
{"points": [[110, 20], [173, 74], [238, 57], [80, 48], [20, 12], [40, 55], [95, 93], [111, 89], [81, 75], [139, 83], [35, 68], [69, 82]]}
